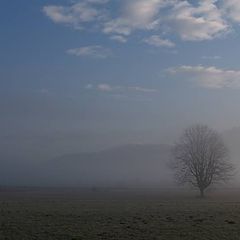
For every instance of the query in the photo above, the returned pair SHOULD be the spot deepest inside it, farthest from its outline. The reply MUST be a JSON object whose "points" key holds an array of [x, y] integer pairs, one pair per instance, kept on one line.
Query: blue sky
{"points": [[131, 70]]}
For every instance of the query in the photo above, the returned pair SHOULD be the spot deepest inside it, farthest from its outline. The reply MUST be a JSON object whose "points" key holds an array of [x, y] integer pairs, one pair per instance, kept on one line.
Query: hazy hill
{"points": [[127, 165], [122, 166]]}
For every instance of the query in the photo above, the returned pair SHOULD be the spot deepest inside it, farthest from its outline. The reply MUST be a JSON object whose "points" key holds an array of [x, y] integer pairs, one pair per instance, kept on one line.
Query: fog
{"points": [[58, 160], [50, 140]]}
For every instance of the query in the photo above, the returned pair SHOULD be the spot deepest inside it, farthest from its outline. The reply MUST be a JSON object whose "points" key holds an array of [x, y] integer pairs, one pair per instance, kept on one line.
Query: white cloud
{"points": [[208, 77], [103, 87], [211, 57], [77, 14], [197, 23], [57, 14], [142, 13], [118, 26], [45, 91], [231, 9], [189, 20], [119, 38], [157, 41], [90, 51], [141, 89], [137, 15]]}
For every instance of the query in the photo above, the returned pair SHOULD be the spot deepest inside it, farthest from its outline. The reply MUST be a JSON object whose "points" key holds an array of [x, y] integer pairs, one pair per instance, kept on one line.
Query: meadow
{"points": [[74, 214]]}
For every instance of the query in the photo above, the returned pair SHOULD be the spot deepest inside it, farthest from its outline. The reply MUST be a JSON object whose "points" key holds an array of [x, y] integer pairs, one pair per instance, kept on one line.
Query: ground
{"points": [[33, 214]]}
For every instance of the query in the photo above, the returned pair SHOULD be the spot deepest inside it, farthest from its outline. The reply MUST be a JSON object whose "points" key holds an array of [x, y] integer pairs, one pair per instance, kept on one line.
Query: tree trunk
{"points": [[201, 193]]}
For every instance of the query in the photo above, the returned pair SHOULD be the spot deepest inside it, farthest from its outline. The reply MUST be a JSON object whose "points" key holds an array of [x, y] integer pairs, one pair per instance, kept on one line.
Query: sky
{"points": [[81, 75]]}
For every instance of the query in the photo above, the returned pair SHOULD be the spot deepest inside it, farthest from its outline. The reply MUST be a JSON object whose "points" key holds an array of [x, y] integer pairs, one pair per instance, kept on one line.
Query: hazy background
{"points": [[96, 91]]}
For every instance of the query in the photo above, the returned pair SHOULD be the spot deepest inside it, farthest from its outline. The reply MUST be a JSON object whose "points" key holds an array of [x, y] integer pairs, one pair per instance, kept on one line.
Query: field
{"points": [[32, 214]]}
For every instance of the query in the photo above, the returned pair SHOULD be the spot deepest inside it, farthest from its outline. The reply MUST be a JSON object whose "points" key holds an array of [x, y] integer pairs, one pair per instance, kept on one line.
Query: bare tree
{"points": [[201, 158]]}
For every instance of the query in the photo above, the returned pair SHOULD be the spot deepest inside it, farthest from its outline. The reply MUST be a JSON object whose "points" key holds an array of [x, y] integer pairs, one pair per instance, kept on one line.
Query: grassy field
{"points": [[29, 214]]}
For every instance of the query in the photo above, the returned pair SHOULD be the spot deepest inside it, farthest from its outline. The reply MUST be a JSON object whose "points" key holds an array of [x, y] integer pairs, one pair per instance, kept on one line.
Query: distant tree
{"points": [[201, 158]]}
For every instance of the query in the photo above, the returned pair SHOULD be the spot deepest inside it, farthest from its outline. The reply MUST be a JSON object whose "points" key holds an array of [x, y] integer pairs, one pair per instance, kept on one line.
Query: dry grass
{"points": [[81, 215]]}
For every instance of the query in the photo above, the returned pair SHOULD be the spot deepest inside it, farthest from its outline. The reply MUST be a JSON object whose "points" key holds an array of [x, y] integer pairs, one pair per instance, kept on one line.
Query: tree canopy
{"points": [[201, 158]]}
